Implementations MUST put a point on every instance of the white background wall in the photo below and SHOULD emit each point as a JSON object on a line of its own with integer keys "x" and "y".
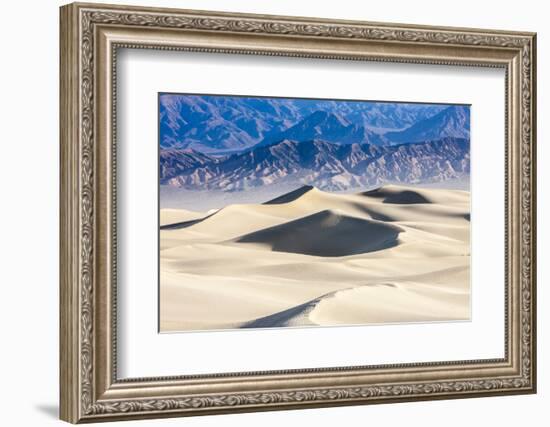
{"x": 29, "y": 170}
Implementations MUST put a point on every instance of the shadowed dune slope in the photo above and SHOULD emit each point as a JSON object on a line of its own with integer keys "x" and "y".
{"x": 402, "y": 195}
{"x": 171, "y": 216}
{"x": 178, "y": 225}
{"x": 290, "y": 197}
{"x": 328, "y": 234}
{"x": 294, "y": 316}
{"x": 397, "y": 196}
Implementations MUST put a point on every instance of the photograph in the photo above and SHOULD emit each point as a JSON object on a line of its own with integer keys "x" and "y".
{"x": 297, "y": 212}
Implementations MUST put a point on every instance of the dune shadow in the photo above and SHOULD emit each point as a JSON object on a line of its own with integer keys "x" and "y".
{"x": 393, "y": 196}
{"x": 290, "y": 197}
{"x": 326, "y": 234}
{"x": 285, "y": 317}
{"x": 179, "y": 225}
{"x": 406, "y": 197}
{"x": 185, "y": 224}
{"x": 387, "y": 285}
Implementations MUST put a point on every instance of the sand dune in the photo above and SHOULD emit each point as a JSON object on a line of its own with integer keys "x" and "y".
{"x": 290, "y": 197}
{"x": 404, "y": 196}
{"x": 384, "y": 302}
{"x": 172, "y": 216}
{"x": 308, "y": 257}
{"x": 327, "y": 234}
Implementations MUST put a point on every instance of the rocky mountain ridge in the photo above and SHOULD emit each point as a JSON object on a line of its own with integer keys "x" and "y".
{"x": 220, "y": 124}
{"x": 328, "y": 166}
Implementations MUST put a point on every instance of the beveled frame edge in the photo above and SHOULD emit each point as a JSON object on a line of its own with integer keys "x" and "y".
{"x": 88, "y": 390}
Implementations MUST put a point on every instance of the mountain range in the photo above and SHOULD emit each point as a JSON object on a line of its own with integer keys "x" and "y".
{"x": 329, "y": 127}
{"x": 328, "y": 166}
{"x": 236, "y": 143}
{"x": 220, "y": 124}
{"x": 453, "y": 121}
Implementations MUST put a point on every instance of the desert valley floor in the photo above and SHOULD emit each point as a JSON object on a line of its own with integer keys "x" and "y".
{"x": 308, "y": 257}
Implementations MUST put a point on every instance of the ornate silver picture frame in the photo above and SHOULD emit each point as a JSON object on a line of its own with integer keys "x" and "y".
{"x": 91, "y": 37}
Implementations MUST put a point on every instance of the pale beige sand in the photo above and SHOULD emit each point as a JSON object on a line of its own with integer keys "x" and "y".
{"x": 396, "y": 254}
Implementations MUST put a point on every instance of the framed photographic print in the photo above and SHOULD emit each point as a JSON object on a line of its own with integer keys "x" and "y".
{"x": 297, "y": 222}
{"x": 266, "y": 212}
